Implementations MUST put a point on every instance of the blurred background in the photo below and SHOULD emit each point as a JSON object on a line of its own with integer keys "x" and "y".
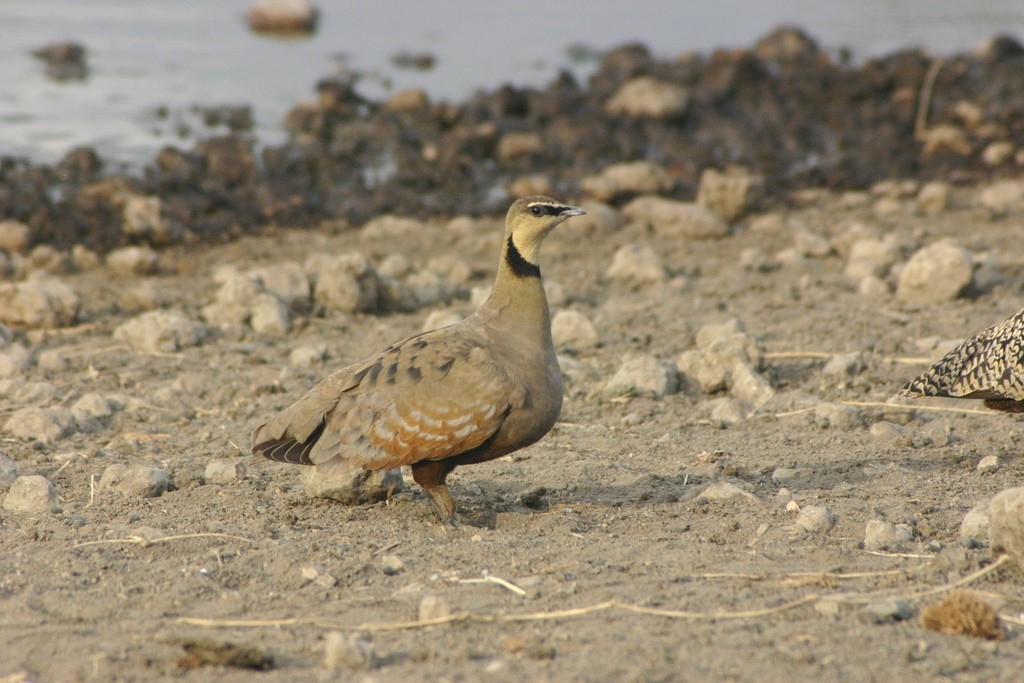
{"x": 150, "y": 62}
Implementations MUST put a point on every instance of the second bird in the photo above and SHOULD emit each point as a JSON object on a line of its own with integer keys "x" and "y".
{"x": 464, "y": 394}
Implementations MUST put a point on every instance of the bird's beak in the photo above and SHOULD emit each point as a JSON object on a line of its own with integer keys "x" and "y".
{"x": 571, "y": 211}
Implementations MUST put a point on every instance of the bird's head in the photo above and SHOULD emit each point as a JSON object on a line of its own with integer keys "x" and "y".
{"x": 529, "y": 221}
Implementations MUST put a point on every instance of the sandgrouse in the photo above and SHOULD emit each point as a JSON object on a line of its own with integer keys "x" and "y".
{"x": 463, "y": 394}
{"x": 989, "y": 366}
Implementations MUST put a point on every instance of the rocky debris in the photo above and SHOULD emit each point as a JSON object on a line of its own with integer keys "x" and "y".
{"x": 725, "y": 358}
{"x": 351, "y": 485}
{"x": 809, "y": 244}
{"x": 729, "y": 411}
{"x": 647, "y": 96}
{"x": 133, "y": 261}
{"x": 933, "y": 197}
{"x": 346, "y": 283}
{"x": 244, "y": 301}
{"x": 143, "y": 481}
{"x": 282, "y": 16}
{"x": 976, "y": 522}
{"x": 724, "y": 490}
{"x": 935, "y": 273}
{"x": 815, "y": 519}
{"x": 843, "y": 365}
{"x": 31, "y": 494}
{"x": 671, "y": 218}
{"x": 14, "y": 360}
{"x": 64, "y": 61}
{"x": 433, "y": 608}
{"x": 641, "y": 375}
{"x": 886, "y": 431}
{"x": 729, "y": 194}
{"x": 348, "y": 651}
{"x": 1006, "y": 525}
{"x": 38, "y": 303}
{"x": 46, "y": 425}
{"x": 837, "y": 416}
{"x": 988, "y": 464}
{"x": 307, "y": 356}
{"x": 391, "y": 565}
{"x": 316, "y": 574}
{"x": 886, "y": 611}
{"x": 143, "y": 218}
{"x": 14, "y": 236}
{"x": 8, "y": 471}
{"x": 636, "y": 265}
{"x": 872, "y": 257}
{"x": 1002, "y": 197}
{"x": 90, "y": 409}
{"x": 627, "y": 179}
{"x": 573, "y": 331}
{"x": 439, "y": 319}
{"x": 288, "y": 281}
{"x": 882, "y": 535}
{"x": 224, "y": 471}
{"x": 160, "y": 332}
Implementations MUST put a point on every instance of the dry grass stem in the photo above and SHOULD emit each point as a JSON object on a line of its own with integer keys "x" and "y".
{"x": 139, "y": 540}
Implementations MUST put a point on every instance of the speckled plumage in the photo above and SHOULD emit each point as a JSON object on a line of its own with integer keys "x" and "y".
{"x": 471, "y": 392}
{"x": 989, "y": 366}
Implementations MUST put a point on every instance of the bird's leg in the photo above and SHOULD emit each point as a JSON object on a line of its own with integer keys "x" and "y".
{"x": 431, "y": 476}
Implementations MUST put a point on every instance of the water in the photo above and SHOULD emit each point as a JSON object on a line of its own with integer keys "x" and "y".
{"x": 148, "y": 57}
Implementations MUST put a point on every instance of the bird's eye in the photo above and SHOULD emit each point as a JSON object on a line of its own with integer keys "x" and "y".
{"x": 537, "y": 210}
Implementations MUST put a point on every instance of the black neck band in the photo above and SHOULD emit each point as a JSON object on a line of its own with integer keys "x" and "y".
{"x": 520, "y": 266}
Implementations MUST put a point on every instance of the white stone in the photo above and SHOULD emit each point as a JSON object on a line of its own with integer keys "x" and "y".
{"x": 646, "y": 96}
{"x": 14, "y": 236}
{"x": 8, "y": 471}
{"x": 232, "y": 306}
{"x": 730, "y": 193}
{"x": 160, "y": 332}
{"x": 351, "y": 485}
{"x": 14, "y": 360}
{"x": 810, "y": 244}
{"x": 844, "y": 365}
{"x": 933, "y": 198}
{"x": 144, "y": 481}
{"x": 31, "y": 495}
{"x": 976, "y": 522}
{"x": 38, "y": 303}
{"x": 440, "y": 318}
{"x": 670, "y": 218}
{"x": 730, "y": 411}
{"x": 934, "y": 274}
{"x": 815, "y": 519}
{"x": 133, "y": 260}
{"x": 282, "y": 16}
{"x": 287, "y": 281}
{"x": 144, "y": 217}
{"x": 747, "y": 385}
{"x": 269, "y": 315}
{"x": 389, "y": 226}
{"x": 988, "y": 464}
{"x": 882, "y": 535}
{"x": 391, "y": 565}
{"x": 1002, "y": 197}
{"x": 886, "y": 431}
{"x": 307, "y": 356}
{"x": 347, "y": 651}
{"x": 40, "y": 424}
{"x": 641, "y": 375}
{"x": 837, "y": 415}
{"x": 871, "y": 257}
{"x": 632, "y": 177}
{"x": 636, "y": 265}
{"x": 724, "y": 490}
{"x": 573, "y": 330}
{"x": 346, "y": 283}
{"x": 224, "y": 470}
{"x": 1006, "y": 526}
{"x": 91, "y": 406}
{"x": 433, "y": 607}
{"x": 52, "y": 361}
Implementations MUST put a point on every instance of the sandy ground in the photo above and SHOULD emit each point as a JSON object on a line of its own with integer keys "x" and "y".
{"x": 619, "y": 568}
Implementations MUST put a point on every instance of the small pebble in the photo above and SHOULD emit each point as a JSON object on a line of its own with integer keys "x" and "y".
{"x": 46, "y": 425}
{"x": 573, "y": 330}
{"x": 635, "y": 265}
{"x": 724, "y": 490}
{"x": 307, "y": 356}
{"x": 144, "y": 481}
{"x": 1006, "y": 526}
{"x": 346, "y": 651}
{"x": 844, "y": 365}
{"x": 433, "y": 607}
{"x": 882, "y": 535}
{"x": 391, "y": 565}
{"x": 351, "y": 485}
{"x": 440, "y": 318}
{"x": 31, "y": 494}
{"x": 886, "y": 431}
{"x": 160, "y": 332}
{"x": 224, "y": 470}
{"x": 641, "y": 375}
{"x": 132, "y": 261}
{"x": 935, "y": 274}
{"x": 976, "y": 522}
{"x": 815, "y": 519}
{"x": 988, "y": 464}
{"x": 887, "y": 611}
